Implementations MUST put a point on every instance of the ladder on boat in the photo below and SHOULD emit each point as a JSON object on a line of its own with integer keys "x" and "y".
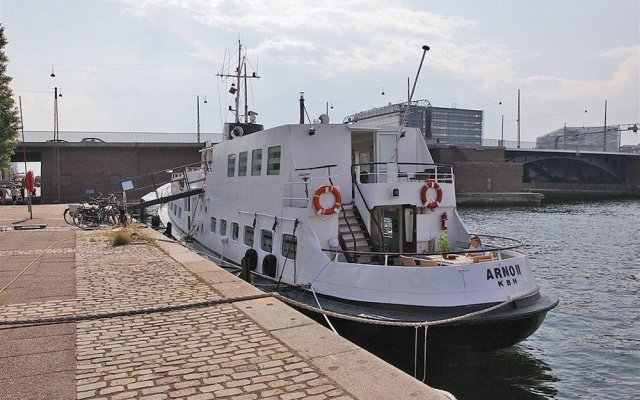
{"x": 354, "y": 236}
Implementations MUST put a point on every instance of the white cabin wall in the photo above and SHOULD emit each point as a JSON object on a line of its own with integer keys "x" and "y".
{"x": 330, "y": 145}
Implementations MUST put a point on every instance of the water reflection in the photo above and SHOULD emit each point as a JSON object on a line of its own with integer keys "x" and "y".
{"x": 513, "y": 373}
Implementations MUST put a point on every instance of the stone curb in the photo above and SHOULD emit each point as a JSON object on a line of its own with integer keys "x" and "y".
{"x": 355, "y": 370}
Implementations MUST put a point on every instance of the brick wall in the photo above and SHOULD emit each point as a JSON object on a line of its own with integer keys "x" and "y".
{"x": 101, "y": 167}
{"x": 481, "y": 170}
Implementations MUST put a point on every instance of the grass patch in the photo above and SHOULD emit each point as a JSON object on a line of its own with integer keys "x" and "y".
{"x": 123, "y": 237}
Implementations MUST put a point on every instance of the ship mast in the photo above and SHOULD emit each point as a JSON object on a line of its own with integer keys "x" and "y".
{"x": 241, "y": 72}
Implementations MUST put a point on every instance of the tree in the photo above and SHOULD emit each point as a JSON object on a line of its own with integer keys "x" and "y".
{"x": 9, "y": 119}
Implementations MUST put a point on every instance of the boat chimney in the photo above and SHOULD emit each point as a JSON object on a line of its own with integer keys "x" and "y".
{"x": 301, "y": 108}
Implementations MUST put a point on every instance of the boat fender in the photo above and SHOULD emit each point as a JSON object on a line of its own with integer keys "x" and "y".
{"x": 270, "y": 265}
{"x": 423, "y": 194}
{"x": 333, "y": 208}
{"x": 250, "y": 258}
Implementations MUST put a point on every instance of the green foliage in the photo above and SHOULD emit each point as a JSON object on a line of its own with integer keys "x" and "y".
{"x": 9, "y": 119}
{"x": 443, "y": 243}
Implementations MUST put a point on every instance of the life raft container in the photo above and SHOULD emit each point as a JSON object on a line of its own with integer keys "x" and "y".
{"x": 423, "y": 194}
{"x": 320, "y": 210}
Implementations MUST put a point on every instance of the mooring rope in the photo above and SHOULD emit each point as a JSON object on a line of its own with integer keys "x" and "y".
{"x": 148, "y": 310}
{"x": 284, "y": 299}
{"x": 375, "y": 321}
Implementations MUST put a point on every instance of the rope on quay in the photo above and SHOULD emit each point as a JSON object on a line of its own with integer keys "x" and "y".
{"x": 124, "y": 313}
{"x": 214, "y": 302}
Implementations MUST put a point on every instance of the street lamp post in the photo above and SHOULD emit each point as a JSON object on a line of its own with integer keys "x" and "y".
{"x": 56, "y": 143}
{"x": 604, "y": 135}
{"x": 198, "y": 114}
{"x": 502, "y": 133}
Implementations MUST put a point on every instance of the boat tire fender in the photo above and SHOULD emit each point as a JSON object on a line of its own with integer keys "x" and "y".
{"x": 270, "y": 265}
{"x": 250, "y": 259}
{"x": 423, "y": 194}
{"x": 336, "y": 205}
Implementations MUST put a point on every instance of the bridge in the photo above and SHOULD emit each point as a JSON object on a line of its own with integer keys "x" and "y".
{"x": 554, "y": 173}
{"x": 85, "y": 163}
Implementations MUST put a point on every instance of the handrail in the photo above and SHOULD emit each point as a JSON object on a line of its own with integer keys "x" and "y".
{"x": 517, "y": 244}
{"x": 375, "y": 221}
{"x": 318, "y": 167}
{"x": 402, "y": 163}
{"x": 353, "y": 236}
{"x": 439, "y": 172}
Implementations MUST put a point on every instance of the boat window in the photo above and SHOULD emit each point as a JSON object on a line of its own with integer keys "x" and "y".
{"x": 231, "y": 165}
{"x": 273, "y": 160}
{"x": 289, "y": 246}
{"x": 235, "y": 231}
{"x": 186, "y": 204}
{"x": 213, "y": 225}
{"x": 179, "y": 212}
{"x": 248, "y": 235}
{"x": 223, "y": 227}
{"x": 242, "y": 164}
{"x": 266, "y": 241}
{"x": 256, "y": 162}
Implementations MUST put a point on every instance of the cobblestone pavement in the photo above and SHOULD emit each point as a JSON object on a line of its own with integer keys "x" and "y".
{"x": 204, "y": 353}
{"x": 209, "y": 353}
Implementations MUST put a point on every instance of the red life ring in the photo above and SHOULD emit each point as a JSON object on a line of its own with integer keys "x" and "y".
{"x": 423, "y": 194}
{"x": 336, "y": 205}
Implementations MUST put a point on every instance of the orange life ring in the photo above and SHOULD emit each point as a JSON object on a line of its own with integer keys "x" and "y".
{"x": 181, "y": 183}
{"x": 336, "y": 205}
{"x": 423, "y": 194}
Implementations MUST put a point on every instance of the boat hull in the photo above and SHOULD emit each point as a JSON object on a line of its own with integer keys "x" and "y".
{"x": 494, "y": 330}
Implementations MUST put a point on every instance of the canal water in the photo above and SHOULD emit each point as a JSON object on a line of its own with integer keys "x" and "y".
{"x": 588, "y": 254}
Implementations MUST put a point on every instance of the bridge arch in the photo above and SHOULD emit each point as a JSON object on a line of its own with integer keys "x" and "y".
{"x": 568, "y": 170}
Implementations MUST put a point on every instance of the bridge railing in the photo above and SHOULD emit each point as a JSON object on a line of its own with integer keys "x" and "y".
{"x": 123, "y": 137}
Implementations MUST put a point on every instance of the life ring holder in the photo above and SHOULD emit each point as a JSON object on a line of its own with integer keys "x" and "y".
{"x": 336, "y": 205}
{"x": 423, "y": 194}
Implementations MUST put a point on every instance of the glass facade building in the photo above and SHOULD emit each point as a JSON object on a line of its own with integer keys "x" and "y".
{"x": 452, "y": 126}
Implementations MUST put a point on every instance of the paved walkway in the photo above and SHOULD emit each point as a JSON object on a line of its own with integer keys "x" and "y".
{"x": 253, "y": 349}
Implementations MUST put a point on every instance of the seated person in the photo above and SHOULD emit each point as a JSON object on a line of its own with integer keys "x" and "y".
{"x": 476, "y": 245}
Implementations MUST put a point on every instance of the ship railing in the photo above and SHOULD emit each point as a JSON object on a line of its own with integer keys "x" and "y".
{"x": 497, "y": 247}
{"x": 380, "y": 172}
{"x": 297, "y": 194}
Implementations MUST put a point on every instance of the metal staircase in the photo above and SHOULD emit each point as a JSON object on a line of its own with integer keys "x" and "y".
{"x": 354, "y": 235}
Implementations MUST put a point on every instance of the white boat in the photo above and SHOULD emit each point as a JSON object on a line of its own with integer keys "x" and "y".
{"x": 350, "y": 219}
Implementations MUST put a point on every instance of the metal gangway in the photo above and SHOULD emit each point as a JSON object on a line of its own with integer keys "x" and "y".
{"x": 136, "y": 188}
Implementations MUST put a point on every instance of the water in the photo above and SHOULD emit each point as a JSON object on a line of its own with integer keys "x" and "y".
{"x": 588, "y": 254}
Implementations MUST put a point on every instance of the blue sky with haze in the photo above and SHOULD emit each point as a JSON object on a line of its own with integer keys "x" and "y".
{"x": 137, "y": 65}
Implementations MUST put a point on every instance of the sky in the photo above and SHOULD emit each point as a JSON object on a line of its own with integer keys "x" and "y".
{"x": 140, "y": 65}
